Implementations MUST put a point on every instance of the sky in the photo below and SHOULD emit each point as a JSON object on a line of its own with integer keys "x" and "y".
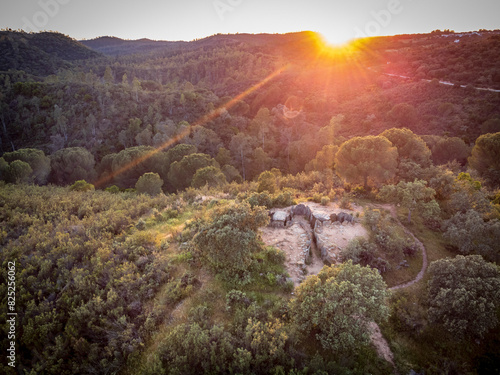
{"x": 337, "y": 20}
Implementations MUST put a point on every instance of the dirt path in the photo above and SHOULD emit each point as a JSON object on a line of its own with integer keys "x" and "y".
{"x": 380, "y": 343}
{"x": 420, "y": 275}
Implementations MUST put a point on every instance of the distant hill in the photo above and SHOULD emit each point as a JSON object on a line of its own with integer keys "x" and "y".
{"x": 40, "y": 53}
{"x": 113, "y": 46}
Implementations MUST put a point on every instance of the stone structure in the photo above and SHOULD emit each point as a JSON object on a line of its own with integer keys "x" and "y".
{"x": 281, "y": 219}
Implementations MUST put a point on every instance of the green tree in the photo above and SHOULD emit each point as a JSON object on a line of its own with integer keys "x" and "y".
{"x": 182, "y": 172}
{"x": 415, "y": 196}
{"x": 229, "y": 238}
{"x": 241, "y": 148}
{"x": 485, "y": 157}
{"x": 108, "y": 76}
{"x": 178, "y": 152}
{"x": 39, "y": 163}
{"x": 82, "y": 185}
{"x": 130, "y": 164}
{"x": 205, "y": 140}
{"x": 473, "y": 235}
{"x": 336, "y": 305}
{"x": 232, "y": 174}
{"x": 464, "y": 295}
{"x": 149, "y": 183}
{"x": 363, "y": 158}
{"x": 72, "y": 164}
{"x": 267, "y": 182}
{"x": 403, "y": 114}
{"x": 410, "y": 146}
{"x": 208, "y": 176}
{"x": 223, "y": 156}
{"x": 491, "y": 126}
{"x": 4, "y": 170}
{"x": 19, "y": 172}
{"x": 325, "y": 159}
{"x": 448, "y": 149}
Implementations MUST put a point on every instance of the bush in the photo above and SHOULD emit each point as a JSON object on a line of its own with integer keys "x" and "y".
{"x": 149, "y": 183}
{"x": 81, "y": 185}
{"x": 325, "y": 201}
{"x": 236, "y": 298}
{"x": 229, "y": 238}
{"x": 112, "y": 189}
{"x": 267, "y": 182}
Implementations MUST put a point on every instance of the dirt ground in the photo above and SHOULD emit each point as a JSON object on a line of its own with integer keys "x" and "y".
{"x": 290, "y": 239}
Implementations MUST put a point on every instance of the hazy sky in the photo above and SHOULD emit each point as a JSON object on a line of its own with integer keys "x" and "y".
{"x": 190, "y": 19}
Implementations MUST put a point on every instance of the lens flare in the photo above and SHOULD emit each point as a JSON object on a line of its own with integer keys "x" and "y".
{"x": 208, "y": 117}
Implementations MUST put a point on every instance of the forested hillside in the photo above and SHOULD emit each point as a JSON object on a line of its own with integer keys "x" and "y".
{"x": 170, "y": 205}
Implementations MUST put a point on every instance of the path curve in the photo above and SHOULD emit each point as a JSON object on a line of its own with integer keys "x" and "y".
{"x": 420, "y": 275}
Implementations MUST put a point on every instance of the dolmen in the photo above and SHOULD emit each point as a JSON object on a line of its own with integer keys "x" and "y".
{"x": 280, "y": 219}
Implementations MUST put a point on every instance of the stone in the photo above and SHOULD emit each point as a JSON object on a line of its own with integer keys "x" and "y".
{"x": 333, "y": 218}
{"x": 300, "y": 209}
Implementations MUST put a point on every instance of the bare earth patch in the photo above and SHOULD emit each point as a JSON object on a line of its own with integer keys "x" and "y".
{"x": 291, "y": 239}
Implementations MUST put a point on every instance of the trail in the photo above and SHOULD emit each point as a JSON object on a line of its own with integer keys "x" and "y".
{"x": 420, "y": 275}
{"x": 446, "y": 83}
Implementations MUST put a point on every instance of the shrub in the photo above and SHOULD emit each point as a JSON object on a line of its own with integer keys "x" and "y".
{"x": 267, "y": 182}
{"x": 228, "y": 239}
{"x": 236, "y": 298}
{"x": 112, "y": 189}
{"x": 325, "y": 201}
{"x": 149, "y": 183}
{"x": 141, "y": 224}
{"x": 358, "y": 292}
{"x": 81, "y": 185}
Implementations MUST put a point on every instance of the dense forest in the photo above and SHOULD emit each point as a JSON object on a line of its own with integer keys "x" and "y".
{"x": 138, "y": 180}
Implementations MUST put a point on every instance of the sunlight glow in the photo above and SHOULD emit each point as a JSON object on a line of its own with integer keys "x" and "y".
{"x": 338, "y": 48}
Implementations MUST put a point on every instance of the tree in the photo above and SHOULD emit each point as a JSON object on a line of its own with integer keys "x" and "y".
{"x": 361, "y": 158}
{"x": 178, "y": 152}
{"x": 182, "y": 172}
{"x": 208, "y": 176}
{"x": 72, "y": 164}
{"x": 464, "y": 295}
{"x": 472, "y": 235}
{"x": 410, "y": 146}
{"x": 336, "y": 305}
{"x": 223, "y": 156}
{"x": 108, "y": 76}
{"x": 403, "y": 114}
{"x": 485, "y": 157}
{"x": 229, "y": 238}
{"x": 241, "y": 148}
{"x": 260, "y": 162}
{"x": 231, "y": 174}
{"x": 448, "y": 149}
{"x": 267, "y": 182}
{"x": 39, "y": 163}
{"x": 325, "y": 159}
{"x": 19, "y": 172}
{"x": 491, "y": 126}
{"x": 130, "y": 164}
{"x": 4, "y": 170}
{"x": 205, "y": 140}
{"x": 82, "y": 185}
{"x": 149, "y": 183}
{"x": 412, "y": 195}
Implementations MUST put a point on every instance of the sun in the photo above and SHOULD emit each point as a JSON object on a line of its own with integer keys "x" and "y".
{"x": 336, "y": 38}
{"x": 342, "y": 48}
